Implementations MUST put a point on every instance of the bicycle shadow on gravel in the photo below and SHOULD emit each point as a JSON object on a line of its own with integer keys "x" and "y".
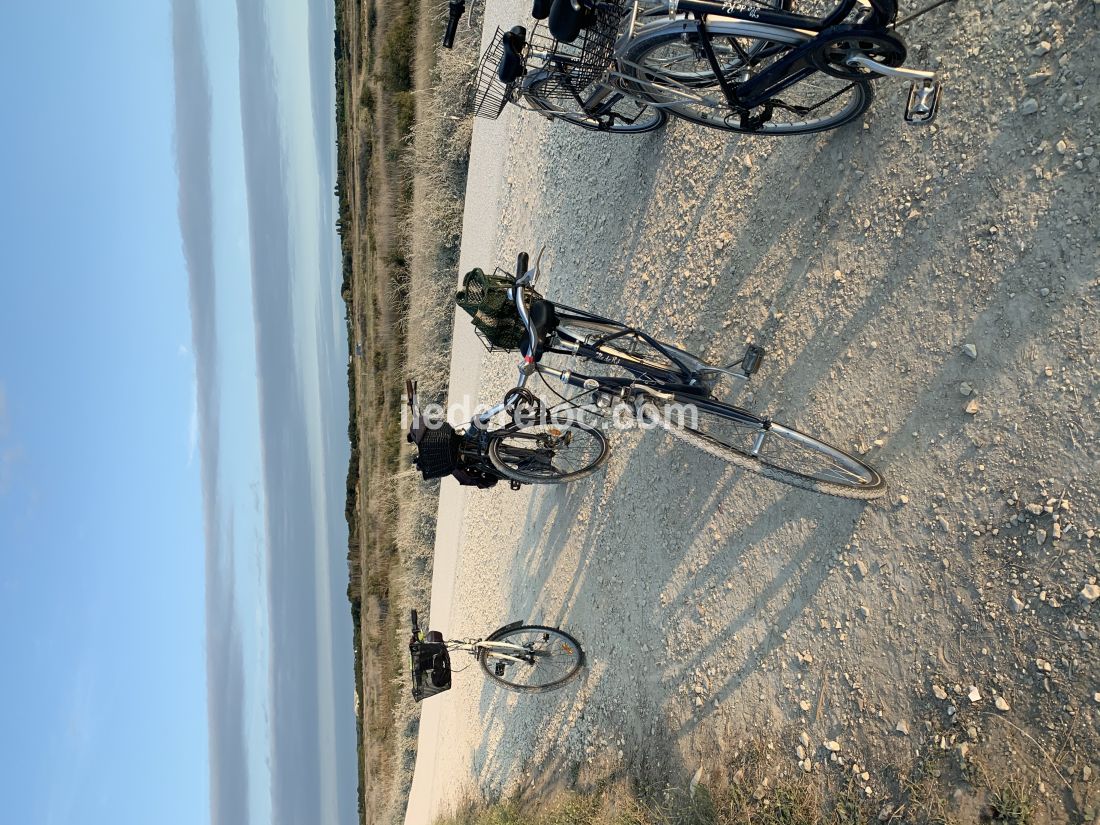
{"x": 613, "y": 585}
{"x": 779, "y": 541}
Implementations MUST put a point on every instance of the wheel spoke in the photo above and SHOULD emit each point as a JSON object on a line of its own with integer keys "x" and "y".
{"x": 777, "y": 452}
{"x": 552, "y": 658}
{"x": 548, "y": 453}
{"x": 668, "y": 69}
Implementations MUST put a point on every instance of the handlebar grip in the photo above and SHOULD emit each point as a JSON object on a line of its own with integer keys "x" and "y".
{"x": 540, "y": 9}
{"x": 456, "y": 9}
{"x": 415, "y": 623}
{"x": 522, "y": 262}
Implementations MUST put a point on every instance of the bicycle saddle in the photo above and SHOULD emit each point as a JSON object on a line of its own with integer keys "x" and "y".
{"x": 544, "y": 318}
{"x": 567, "y": 18}
{"x": 511, "y": 67}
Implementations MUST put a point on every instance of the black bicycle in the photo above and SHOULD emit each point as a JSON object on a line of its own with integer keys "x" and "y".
{"x": 629, "y": 377}
{"x": 751, "y": 66}
{"x": 527, "y": 658}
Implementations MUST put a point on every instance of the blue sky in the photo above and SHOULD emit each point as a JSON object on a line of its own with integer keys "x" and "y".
{"x": 172, "y": 417}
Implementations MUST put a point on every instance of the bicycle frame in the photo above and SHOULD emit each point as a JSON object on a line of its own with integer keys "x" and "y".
{"x": 681, "y": 386}
{"x": 788, "y": 70}
{"x": 742, "y": 10}
{"x": 501, "y": 650}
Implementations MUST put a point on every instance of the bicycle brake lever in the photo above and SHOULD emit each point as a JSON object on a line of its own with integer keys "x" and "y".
{"x": 537, "y": 267}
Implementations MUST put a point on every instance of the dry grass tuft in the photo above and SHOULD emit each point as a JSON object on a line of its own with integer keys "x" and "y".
{"x": 755, "y": 787}
{"x": 436, "y": 160}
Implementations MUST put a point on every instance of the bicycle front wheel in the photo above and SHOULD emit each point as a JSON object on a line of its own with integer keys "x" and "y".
{"x": 668, "y": 66}
{"x": 624, "y": 343}
{"x": 619, "y": 115}
{"x": 550, "y": 453}
{"x": 549, "y": 657}
{"x": 774, "y": 451}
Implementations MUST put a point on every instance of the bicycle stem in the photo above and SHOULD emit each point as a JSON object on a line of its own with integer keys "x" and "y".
{"x": 527, "y": 366}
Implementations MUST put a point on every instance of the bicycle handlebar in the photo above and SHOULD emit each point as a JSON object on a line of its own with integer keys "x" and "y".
{"x": 456, "y": 8}
{"x": 524, "y": 277}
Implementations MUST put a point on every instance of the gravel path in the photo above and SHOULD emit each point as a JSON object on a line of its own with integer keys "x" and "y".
{"x": 926, "y": 297}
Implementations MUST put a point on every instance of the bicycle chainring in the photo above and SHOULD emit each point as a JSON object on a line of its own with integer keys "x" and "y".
{"x": 833, "y": 48}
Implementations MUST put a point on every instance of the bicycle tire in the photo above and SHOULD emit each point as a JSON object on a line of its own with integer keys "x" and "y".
{"x": 525, "y": 465}
{"x": 865, "y": 483}
{"x": 543, "y": 105}
{"x": 631, "y": 347}
{"x": 704, "y": 85}
{"x": 504, "y": 633}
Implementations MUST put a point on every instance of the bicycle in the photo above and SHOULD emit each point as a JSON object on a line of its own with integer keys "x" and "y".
{"x": 526, "y": 658}
{"x": 748, "y": 66}
{"x": 655, "y": 383}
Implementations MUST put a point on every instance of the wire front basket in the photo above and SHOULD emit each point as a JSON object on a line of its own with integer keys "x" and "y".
{"x": 490, "y": 94}
{"x": 564, "y": 70}
{"x": 571, "y": 68}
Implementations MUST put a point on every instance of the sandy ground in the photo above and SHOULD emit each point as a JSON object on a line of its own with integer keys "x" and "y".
{"x": 888, "y": 271}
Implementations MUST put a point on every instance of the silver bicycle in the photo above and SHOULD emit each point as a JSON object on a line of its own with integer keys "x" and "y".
{"x": 527, "y": 658}
{"x": 616, "y": 373}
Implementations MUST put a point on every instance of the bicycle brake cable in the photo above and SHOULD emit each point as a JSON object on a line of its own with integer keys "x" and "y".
{"x": 917, "y": 14}
{"x": 569, "y": 402}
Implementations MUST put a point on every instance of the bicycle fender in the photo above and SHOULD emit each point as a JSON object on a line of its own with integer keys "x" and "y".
{"x": 500, "y": 631}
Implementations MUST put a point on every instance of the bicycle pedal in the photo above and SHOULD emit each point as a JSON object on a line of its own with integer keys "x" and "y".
{"x": 751, "y": 362}
{"x": 923, "y": 103}
{"x": 498, "y": 668}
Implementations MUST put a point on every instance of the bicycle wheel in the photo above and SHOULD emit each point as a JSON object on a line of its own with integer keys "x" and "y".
{"x": 630, "y": 345}
{"x": 548, "y": 453}
{"x": 626, "y": 116}
{"x": 551, "y": 658}
{"x": 777, "y": 452}
{"x": 667, "y": 65}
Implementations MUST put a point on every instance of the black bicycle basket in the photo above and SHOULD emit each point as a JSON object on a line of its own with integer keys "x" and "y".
{"x": 570, "y": 68}
{"x": 431, "y": 667}
{"x": 490, "y": 94}
{"x": 565, "y": 69}
{"x": 494, "y": 316}
{"x": 438, "y": 451}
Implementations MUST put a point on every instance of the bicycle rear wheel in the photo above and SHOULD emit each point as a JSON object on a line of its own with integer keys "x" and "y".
{"x": 548, "y": 453}
{"x": 551, "y": 658}
{"x": 668, "y": 66}
{"x": 774, "y": 451}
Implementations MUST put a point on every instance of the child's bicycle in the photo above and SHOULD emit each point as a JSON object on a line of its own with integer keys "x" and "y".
{"x": 527, "y": 658}
{"x": 624, "y": 370}
{"x": 750, "y": 66}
